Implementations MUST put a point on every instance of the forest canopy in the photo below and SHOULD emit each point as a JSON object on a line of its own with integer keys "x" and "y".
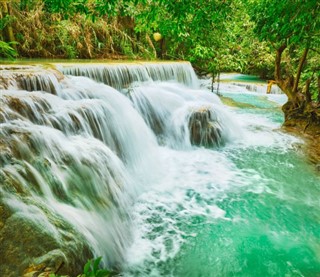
{"x": 214, "y": 35}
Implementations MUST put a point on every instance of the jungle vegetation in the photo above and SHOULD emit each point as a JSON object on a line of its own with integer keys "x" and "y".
{"x": 276, "y": 40}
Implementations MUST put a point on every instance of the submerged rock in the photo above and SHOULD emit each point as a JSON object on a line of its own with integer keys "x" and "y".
{"x": 205, "y": 129}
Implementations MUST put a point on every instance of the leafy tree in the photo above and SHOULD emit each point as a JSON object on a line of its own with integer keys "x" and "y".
{"x": 292, "y": 28}
{"x": 190, "y": 29}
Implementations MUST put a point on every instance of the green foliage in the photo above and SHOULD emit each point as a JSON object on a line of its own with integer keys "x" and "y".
{"x": 5, "y": 21}
{"x": 293, "y": 25}
{"x": 91, "y": 269}
{"x": 191, "y": 30}
{"x": 66, "y": 7}
{"x": 6, "y": 48}
{"x": 214, "y": 35}
{"x": 90, "y": 8}
{"x": 7, "y": 51}
{"x": 287, "y": 21}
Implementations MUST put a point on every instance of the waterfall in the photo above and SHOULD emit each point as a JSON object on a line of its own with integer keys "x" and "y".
{"x": 121, "y": 76}
{"x": 171, "y": 110}
{"x": 76, "y": 154}
{"x": 30, "y": 78}
{"x": 140, "y": 165}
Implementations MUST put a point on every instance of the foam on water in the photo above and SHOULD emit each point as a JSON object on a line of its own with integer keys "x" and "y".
{"x": 167, "y": 108}
{"x": 201, "y": 193}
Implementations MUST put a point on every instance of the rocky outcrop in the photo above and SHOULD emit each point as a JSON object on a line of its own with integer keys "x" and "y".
{"x": 305, "y": 122}
{"x": 27, "y": 244}
{"x": 305, "y": 117}
{"x": 205, "y": 129}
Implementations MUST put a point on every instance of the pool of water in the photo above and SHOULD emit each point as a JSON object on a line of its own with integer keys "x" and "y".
{"x": 251, "y": 208}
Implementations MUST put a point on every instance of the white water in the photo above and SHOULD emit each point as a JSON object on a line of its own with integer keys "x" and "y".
{"x": 167, "y": 107}
{"x": 119, "y": 166}
{"x": 196, "y": 181}
{"x": 122, "y": 76}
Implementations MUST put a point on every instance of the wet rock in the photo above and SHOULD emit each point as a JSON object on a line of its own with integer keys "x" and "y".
{"x": 34, "y": 246}
{"x": 205, "y": 129}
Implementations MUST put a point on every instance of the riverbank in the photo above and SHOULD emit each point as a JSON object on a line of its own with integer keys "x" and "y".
{"x": 312, "y": 143}
{"x": 241, "y": 84}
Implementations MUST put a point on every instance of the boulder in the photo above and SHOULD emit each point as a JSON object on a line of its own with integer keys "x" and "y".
{"x": 44, "y": 242}
{"x": 205, "y": 129}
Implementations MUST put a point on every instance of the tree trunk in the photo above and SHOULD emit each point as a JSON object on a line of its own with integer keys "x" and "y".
{"x": 163, "y": 51}
{"x": 286, "y": 85}
{"x": 7, "y": 31}
{"x": 290, "y": 85}
{"x": 308, "y": 94}
{"x": 151, "y": 46}
{"x": 277, "y": 73}
{"x": 300, "y": 67}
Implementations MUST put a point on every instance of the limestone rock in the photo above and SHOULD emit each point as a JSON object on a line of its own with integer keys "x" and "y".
{"x": 205, "y": 129}
{"x": 29, "y": 245}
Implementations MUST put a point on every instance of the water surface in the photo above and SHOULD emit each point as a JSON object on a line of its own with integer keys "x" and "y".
{"x": 251, "y": 208}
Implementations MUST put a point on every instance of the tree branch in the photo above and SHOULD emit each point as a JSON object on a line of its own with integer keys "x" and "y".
{"x": 277, "y": 73}
{"x": 300, "y": 67}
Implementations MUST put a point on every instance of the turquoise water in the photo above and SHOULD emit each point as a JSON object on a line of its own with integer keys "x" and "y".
{"x": 164, "y": 207}
{"x": 251, "y": 208}
{"x": 242, "y": 78}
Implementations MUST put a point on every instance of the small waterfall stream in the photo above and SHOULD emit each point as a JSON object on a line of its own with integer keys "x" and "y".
{"x": 138, "y": 164}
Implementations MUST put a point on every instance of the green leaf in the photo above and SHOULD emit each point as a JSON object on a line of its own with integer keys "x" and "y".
{"x": 96, "y": 264}
{"x": 87, "y": 267}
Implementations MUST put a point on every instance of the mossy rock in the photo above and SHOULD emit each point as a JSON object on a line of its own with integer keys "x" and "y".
{"x": 29, "y": 244}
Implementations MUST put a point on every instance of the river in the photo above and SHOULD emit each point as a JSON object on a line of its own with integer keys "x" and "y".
{"x": 248, "y": 206}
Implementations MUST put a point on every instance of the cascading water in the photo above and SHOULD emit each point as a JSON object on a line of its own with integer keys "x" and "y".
{"x": 122, "y": 76}
{"x": 159, "y": 178}
{"x": 171, "y": 110}
{"x": 77, "y": 158}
